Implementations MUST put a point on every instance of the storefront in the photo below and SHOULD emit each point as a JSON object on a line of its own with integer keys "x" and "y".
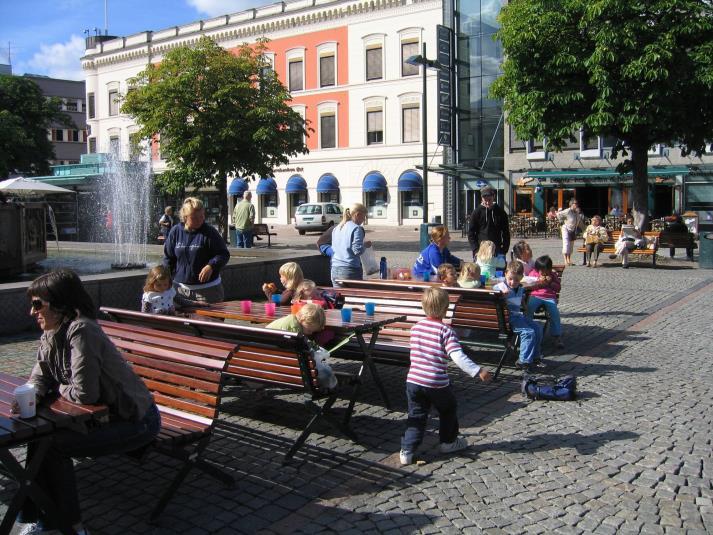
{"x": 599, "y": 191}
{"x": 376, "y": 195}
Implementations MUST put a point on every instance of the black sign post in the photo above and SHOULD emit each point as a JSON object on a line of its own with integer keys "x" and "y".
{"x": 445, "y": 85}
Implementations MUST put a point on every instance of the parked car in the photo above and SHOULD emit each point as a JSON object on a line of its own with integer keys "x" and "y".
{"x": 317, "y": 216}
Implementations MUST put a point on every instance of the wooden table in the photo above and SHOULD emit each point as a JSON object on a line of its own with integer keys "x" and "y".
{"x": 16, "y": 432}
{"x": 361, "y": 326}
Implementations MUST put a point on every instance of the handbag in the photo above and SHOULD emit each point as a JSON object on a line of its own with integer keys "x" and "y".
{"x": 368, "y": 261}
{"x": 591, "y": 239}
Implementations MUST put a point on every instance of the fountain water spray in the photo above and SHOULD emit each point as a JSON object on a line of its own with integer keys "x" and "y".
{"x": 127, "y": 192}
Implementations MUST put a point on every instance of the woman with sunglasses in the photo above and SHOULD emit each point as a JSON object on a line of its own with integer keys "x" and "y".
{"x": 78, "y": 362}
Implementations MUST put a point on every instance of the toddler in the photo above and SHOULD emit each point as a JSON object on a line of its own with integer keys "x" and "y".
{"x": 427, "y": 385}
{"x": 469, "y": 275}
{"x": 487, "y": 260}
{"x": 159, "y": 293}
{"x": 309, "y": 320}
{"x": 447, "y": 275}
{"x": 522, "y": 252}
{"x": 529, "y": 331}
{"x": 544, "y": 294}
{"x": 291, "y": 278}
{"x": 308, "y": 293}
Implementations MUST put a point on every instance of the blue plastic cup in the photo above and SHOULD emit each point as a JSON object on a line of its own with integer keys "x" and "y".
{"x": 483, "y": 280}
{"x": 426, "y": 276}
{"x": 369, "y": 308}
{"x": 346, "y": 314}
{"x": 276, "y": 298}
{"x": 499, "y": 274}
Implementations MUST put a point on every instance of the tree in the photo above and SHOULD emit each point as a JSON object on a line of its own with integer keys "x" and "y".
{"x": 639, "y": 70}
{"x": 216, "y": 113}
{"x": 25, "y": 117}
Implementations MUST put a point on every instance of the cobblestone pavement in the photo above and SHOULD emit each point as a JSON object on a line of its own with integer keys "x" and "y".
{"x": 631, "y": 455}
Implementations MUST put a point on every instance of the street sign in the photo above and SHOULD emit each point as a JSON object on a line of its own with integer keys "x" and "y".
{"x": 445, "y": 91}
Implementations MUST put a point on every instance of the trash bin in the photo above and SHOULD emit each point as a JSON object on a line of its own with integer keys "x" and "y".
{"x": 425, "y": 234}
{"x": 233, "y": 236}
{"x": 705, "y": 245}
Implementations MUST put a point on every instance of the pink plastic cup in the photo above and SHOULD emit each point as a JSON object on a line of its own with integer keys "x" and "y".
{"x": 270, "y": 309}
{"x": 246, "y": 306}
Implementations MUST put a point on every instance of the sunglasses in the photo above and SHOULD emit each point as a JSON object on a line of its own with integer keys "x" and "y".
{"x": 37, "y": 304}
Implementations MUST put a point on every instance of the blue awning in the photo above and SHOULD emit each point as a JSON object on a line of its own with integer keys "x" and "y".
{"x": 327, "y": 183}
{"x": 374, "y": 181}
{"x": 296, "y": 184}
{"x": 410, "y": 181}
{"x": 266, "y": 186}
{"x": 238, "y": 187}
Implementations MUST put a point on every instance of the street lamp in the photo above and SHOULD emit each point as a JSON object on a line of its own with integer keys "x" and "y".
{"x": 425, "y": 64}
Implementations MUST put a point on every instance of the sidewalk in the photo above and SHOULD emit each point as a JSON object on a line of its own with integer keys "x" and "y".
{"x": 632, "y": 455}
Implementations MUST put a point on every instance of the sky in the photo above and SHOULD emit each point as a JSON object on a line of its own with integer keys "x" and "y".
{"x": 46, "y": 37}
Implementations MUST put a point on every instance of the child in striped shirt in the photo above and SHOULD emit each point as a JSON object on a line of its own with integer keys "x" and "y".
{"x": 427, "y": 383}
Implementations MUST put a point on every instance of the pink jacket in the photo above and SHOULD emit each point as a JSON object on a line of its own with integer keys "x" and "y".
{"x": 551, "y": 290}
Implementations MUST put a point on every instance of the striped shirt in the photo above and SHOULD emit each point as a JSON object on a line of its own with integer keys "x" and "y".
{"x": 431, "y": 344}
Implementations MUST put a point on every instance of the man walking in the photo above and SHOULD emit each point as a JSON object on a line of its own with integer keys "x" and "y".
{"x": 489, "y": 222}
{"x": 243, "y": 219}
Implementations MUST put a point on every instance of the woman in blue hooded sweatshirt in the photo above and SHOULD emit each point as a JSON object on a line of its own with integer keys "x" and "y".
{"x": 435, "y": 254}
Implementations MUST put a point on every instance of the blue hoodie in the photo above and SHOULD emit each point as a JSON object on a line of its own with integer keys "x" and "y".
{"x": 187, "y": 253}
{"x": 431, "y": 257}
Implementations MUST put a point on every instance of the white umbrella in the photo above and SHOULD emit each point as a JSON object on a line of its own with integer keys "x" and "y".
{"x": 27, "y": 186}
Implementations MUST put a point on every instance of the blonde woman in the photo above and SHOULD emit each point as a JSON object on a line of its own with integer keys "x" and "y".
{"x": 348, "y": 244}
{"x": 595, "y": 235}
{"x": 435, "y": 254}
{"x": 195, "y": 253}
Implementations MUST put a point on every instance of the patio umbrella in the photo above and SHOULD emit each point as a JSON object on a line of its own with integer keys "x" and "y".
{"x": 27, "y": 186}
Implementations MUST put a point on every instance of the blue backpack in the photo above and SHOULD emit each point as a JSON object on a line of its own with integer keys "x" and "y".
{"x": 565, "y": 389}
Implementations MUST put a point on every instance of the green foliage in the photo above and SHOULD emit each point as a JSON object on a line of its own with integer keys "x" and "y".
{"x": 25, "y": 118}
{"x": 217, "y": 113}
{"x": 640, "y": 70}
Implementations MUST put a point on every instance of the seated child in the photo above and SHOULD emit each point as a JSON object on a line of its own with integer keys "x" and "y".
{"x": 447, "y": 275}
{"x": 486, "y": 259}
{"x": 308, "y": 321}
{"x": 291, "y": 278}
{"x": 469, "y": 275}
{"x": 159, "y": 293}
{"x": 530, "y": 331}
{"x": 522, "y": 252}
{"x": 308, "y": 293}
{"x": 432, "y": 344}
{"x": 544, "y": 293}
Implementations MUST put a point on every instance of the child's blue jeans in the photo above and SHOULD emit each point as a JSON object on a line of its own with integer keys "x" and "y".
{"x": 530, "y": 337}
{"x": 552, "y": 311}
{"x": 420, "y": 400}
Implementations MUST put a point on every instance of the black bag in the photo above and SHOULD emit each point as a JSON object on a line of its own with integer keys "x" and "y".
{"x": 565, "y": 389}
{"x": 333, "y": 299}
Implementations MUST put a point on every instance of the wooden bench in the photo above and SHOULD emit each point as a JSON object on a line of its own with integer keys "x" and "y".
{"x": 479, "y": 317}
{"x": 261, "y": 229}
{"x": 268, "y": 356}
{"x": 677, "y": 240}
{"x": 651, "y": 237}
{"x": 184, "y": 375}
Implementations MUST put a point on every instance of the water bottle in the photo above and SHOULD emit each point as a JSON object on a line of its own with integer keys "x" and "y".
{"x": 383, "y": 269}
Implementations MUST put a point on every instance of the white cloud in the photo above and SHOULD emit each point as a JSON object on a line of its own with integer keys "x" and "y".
{"x": 59, "y": 60}
{"x": 214, "y": 8}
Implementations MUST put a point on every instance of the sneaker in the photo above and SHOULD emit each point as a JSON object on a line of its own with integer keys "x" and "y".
{"x": 625, "y": 266}
{"x": 522, "y": 365}
{"x": 32, "y": 528}
{"x": 406, "y": 457}
{"x": 612, "y": 257}
{"x": 539, "y": 363}
{"x": 458, "y": 444}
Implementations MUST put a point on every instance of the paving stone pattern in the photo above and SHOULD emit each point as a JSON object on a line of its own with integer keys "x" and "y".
{"x": 631, "y": 455}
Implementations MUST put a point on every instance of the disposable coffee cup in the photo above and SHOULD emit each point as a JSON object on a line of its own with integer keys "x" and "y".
{"x": 26, "y": 400}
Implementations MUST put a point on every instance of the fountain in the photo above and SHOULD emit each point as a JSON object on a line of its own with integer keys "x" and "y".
{"x": 126, "y": 191}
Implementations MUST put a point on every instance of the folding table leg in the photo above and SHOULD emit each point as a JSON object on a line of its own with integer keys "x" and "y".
{"x": 369, "y": 363}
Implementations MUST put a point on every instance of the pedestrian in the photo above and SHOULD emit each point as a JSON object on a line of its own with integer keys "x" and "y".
{"x": 572, "y": 220}
{"x": 348, "y": 244}
{"x": 489, "y": 222}
{"x": 243, "y": 220}
{"x": 166, "y": 223}
{"x": 324, "y": 242}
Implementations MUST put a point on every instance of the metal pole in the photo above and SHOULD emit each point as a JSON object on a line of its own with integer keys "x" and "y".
{"x": 424, "y": 131}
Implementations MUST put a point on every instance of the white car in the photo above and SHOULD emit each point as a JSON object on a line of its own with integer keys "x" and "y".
{"x": 317, "y": 216}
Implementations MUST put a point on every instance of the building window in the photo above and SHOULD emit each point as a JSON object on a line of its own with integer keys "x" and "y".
{"x": 295, "y": 74}
{"x": 374, "y": 127}
{"x": 374, "y": 63}
{"x": 326, "y": 71}
{"x": 75, "y": 135}
{"x": 70, "y": 105}
{"x": 114, "y": 145}
{"x": 90, "y": 107}
{"x": 113, "y": 102}
{"x": 57, "y": 135}
{"x": 328, "y": 131}
{"x": 410, "y": 132}
{"x": 408, "y": 49}
{"x": 92, "y": 145}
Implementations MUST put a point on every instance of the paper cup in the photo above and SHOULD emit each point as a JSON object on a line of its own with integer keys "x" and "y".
{"x": 369, "y": 308}
{"x": 26, "y": 400}
{"x": 346, "y": 314}
{"x": 246, "y": 306}
{"x": 270, "y": 309}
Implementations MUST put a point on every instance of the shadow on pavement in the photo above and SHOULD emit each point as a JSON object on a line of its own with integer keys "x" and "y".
{"x": 584, "y": 444}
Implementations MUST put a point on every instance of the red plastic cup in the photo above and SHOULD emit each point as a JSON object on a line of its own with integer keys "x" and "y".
{"x": 246, "y": 306}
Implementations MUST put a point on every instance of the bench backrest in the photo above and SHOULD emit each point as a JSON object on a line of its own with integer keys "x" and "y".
{"x": 264, "y": 355}
{"x": 184, "y": 376}
{"x": 260, "y": 228}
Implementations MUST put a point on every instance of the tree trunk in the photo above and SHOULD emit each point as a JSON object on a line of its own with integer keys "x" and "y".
{"x": 221, "y": 186}
{"x": 640, "y": 189}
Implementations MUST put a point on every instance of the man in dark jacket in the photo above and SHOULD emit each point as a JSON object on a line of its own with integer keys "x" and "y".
{"x": 489, "y": 222}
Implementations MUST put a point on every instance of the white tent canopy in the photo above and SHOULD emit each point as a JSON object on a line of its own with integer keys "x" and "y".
{"x": 27, "y": 186}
